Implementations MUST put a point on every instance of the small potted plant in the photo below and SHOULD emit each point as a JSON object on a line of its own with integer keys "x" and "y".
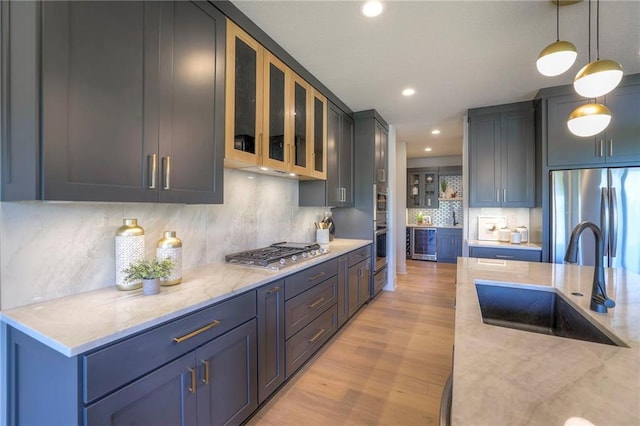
{"x": 443, "y": 186}
{"x": 150, "y": 272}
{"x": 420, "y": 218}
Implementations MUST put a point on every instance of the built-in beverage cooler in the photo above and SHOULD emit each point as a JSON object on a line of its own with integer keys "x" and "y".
{"x": 423, "y": 244}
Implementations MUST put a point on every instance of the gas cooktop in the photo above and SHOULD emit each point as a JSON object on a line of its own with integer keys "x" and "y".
{"x": 277, "y": 255}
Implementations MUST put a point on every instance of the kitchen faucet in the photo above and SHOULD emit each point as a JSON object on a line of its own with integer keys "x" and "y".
{"x": 599, "y": 299}
{"x": 455, "y": 222}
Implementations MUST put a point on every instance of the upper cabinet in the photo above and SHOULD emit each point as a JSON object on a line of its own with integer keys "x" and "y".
{"x": 502, "y": 156}
{"x": 275, "y": 118}
{"x": 337, "y": 190}
{"x": 619, "y": 143}
{"x": 422, "y": 188}
{"x": 131, "y": 106}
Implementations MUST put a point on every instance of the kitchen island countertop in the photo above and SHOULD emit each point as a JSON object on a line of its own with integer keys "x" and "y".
{"x": 76, "y": 324}
{"x": 506, "y": 376}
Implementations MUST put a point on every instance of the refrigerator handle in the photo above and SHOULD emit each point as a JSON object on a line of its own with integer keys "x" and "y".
{"x": 613, "y": 233}
{"x": 604, "y": 218}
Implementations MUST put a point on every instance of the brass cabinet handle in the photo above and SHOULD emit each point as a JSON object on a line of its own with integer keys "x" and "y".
{"x": 274, "y": 290}
{"x": 601, "y": 148}
{"x": 152, "y": 165}
{"x": 166, "y": 169}
{"x": 196, "y": 332}
{"x": 317, "y": 335}
{"x": 316, "y": 276}
{"x": 260, "y": 146}
{"x": 205, "y": 379}
{"x": 316, "y": 303}
{"x": 192, "y": 388}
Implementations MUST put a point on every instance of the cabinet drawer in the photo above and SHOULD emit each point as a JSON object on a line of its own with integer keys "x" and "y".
{"x": 304, "y": 280}
{"x": 506, "y": 254}
{"x": 304, "y": 344}
{"x": 305, "y": 307}
{"x": 113, "y": 366}
{"x": 379, "y": 281}
{"x": 359, "y": 255}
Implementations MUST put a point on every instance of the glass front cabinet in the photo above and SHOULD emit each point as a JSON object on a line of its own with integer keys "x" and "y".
{"x": 422, "y": 188}
{"x": 275, "y": 119}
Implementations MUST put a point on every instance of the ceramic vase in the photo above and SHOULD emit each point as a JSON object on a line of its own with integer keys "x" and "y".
{"x": 170, "y": 247}
{"x": 129, "y": 249}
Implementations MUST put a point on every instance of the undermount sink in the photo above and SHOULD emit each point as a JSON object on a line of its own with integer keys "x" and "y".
{"x": 537, "y": 311}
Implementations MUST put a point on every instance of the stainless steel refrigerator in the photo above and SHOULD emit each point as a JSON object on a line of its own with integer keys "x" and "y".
{"x": 609, "y": 197}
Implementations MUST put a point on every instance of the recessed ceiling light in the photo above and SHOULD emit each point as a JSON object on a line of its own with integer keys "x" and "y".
{"x": 408, "y": 91}
{"x": 371, "y": 8}
{"x": 292, "y": 174}
{"x": 428, "y": 149}
{"x": 435, "y": 132}
{"x": 264, "y": 169}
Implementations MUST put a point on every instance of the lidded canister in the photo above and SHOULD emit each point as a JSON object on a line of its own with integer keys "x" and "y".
{"x": 129, "y": 249}
{"x": 524, "y": 232}
{"x": 170, "y": 247}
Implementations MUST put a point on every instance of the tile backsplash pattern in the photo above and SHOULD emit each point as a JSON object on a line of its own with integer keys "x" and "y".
{"x": 55, "y": 249}
{"x": 443, "y": 215}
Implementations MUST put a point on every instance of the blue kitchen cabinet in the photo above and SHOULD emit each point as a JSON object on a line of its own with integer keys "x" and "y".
{"x": 618, "y": 144}
{"x": 449, "y": 244}
{"x": 270, "y": 315}
{"x": 422, "y": 188}
{"x": 105, "y": 115}
{"x": 502, "y": 156}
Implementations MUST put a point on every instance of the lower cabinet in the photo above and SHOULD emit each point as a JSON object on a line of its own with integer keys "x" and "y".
{"x": 214, "y": 366}
{"x": 379, "y": 279}
{"x": 449, "y": 245}
{"x": 213, "y": 385}
{"x": 270, "y": 314}
{"x": 506, "y": 253}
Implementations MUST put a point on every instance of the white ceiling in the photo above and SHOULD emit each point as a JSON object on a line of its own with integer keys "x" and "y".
{"x": 456, "y": 54}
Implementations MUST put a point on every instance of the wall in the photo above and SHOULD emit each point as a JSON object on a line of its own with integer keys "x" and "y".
{"x": 400, "y": 208}
{"x": 55, "y": 249}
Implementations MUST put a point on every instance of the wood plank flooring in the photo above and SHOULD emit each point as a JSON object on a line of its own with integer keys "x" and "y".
{"x": 387, "y": 366}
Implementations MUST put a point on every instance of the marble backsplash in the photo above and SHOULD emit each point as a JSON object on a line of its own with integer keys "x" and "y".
{"x": 54, "y": 249}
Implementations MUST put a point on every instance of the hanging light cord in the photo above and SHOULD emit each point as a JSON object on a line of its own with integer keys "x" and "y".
{"x": 589, "y": 32}
{"x": 597, "y": 30}
{"x": 558, "y": 20}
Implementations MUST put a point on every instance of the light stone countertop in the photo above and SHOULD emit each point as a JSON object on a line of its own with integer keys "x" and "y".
{"x": 79, "y": 323}
{"x": 503, "y": 376}
{"x": 501, "y": 245}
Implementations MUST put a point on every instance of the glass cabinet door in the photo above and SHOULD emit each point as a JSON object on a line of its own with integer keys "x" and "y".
{"x": 414, "y": 191}
{"x": 243, "y": 95}
{"x": 319, "y": 145}
{"x": 275, "y": 117}
{"x": 301, "y": 125}
{"x": 430, "y": 190}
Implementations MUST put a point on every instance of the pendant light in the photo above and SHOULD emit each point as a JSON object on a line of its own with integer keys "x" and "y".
{"x": 559, "y": 56}
{"x": 599, "y": 77}
{"x": 589, "y": 120}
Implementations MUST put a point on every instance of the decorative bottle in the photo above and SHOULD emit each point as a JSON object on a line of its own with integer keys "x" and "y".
{"x": 170, "y": 247}
{"x": 129, "y": 249}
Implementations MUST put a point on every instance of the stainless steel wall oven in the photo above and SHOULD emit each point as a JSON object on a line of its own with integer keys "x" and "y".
{"x": 380, "y": 249}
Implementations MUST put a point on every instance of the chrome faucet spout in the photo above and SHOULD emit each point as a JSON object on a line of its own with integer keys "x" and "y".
{"x": 599, "y": 299}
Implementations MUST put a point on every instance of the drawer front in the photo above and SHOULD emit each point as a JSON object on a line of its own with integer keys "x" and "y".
{"x": 506, "y": 254}
{"x": 379, "y": 280}
{"x": 359, "y": 255}
{"x": 304, "y": 280}
{"x": 305, "y": 307}
{"x": 113, "y": 366}
{"x": 304, "y": 344}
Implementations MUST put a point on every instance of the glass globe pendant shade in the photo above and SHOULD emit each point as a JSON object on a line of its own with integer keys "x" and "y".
{"x": 556, "y": 58}
{"x": 598, "y": 78}
{"x": 589, "y": 120}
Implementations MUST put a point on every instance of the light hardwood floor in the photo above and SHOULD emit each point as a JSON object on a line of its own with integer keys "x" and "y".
{"x": 387, "y": 366}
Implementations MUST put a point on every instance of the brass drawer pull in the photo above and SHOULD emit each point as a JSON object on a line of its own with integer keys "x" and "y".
{"x": 192, "y": 388}
{"x": 196, "y": 332}
{"x": 152, "y": 164}
{"x": 316, "y": 303}
{"x": 274, "y": 290}
{"x": 205, "y": 380}
{"x": 317, "y": 335}
{"x": 316, "y": 276}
